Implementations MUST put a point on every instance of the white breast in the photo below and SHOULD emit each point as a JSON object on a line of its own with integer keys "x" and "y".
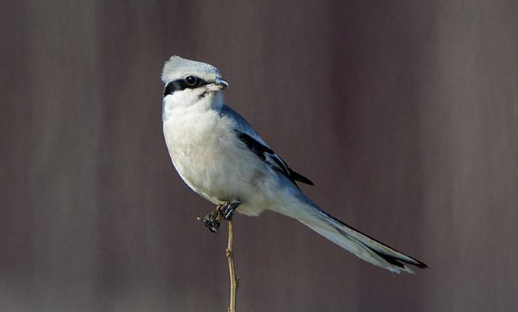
{"x": 209, "y": 156}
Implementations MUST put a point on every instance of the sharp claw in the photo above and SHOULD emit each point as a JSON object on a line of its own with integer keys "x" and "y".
{"x": 211, "y": 221}
{"x": 223, "y": 211}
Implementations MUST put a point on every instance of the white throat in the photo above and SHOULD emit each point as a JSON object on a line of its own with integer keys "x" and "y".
{"x": 190, "y": 100}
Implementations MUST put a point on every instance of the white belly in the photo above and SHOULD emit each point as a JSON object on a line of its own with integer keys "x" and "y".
{"x": 212, "y": 161}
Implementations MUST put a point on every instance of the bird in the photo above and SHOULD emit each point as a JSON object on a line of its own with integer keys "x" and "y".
{"x": 221, "y": 157}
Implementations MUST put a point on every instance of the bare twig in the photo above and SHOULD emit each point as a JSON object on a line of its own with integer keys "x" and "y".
{"x": 230, "y": 257}
{"x": 212, "y": 221}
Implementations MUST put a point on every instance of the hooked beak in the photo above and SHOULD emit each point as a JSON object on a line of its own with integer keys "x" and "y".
{"x": 218, "y": 85}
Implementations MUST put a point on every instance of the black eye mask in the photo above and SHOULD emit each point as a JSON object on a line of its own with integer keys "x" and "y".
{"x": 190, "y": 82}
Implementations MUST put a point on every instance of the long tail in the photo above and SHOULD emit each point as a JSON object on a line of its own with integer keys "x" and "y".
{"x": 353, "y": 240}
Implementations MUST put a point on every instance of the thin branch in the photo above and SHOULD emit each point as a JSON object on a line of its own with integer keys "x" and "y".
{"x": 230, "y": 257}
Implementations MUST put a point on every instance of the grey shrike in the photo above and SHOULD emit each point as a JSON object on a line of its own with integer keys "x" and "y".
{"x": 219, "y": 155}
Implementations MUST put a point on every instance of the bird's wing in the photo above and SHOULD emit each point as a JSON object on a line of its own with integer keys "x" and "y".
{"x": 273, "y": 160}
{"x": 256, "y": 145}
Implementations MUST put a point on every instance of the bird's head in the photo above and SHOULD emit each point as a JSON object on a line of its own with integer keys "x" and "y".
{"x": 187, "y": 82}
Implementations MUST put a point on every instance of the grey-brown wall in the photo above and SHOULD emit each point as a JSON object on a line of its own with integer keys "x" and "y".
{"x": 404, "y": 114}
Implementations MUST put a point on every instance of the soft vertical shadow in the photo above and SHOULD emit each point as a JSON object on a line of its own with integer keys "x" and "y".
{"x": 381, "y": 55}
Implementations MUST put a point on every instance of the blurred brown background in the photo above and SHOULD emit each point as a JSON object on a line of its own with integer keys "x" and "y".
{"x": 404, "y": 114}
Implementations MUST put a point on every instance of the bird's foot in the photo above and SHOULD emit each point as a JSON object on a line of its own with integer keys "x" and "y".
{"x": 223, "y": 211}
{"x": 212, "y": 220}
{"x": 227, "y": 209}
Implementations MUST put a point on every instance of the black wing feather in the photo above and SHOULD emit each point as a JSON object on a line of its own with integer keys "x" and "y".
{"x": 269, "y": 156}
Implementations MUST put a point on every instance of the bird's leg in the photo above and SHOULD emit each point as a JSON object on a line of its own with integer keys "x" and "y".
{"x": 212, "y": 220}
{"x": 223, "y": 211}
{"x": 227, "y": 209}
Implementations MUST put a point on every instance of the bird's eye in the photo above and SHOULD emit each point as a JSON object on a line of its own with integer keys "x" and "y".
{"x": 191, "y": 81}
